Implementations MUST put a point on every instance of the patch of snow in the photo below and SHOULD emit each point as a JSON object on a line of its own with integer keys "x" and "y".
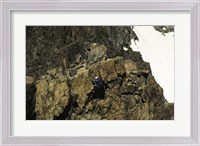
{"x": 164, "y": 28}
{"x": 125, "y": 49}
{"x": 158, "y": 50}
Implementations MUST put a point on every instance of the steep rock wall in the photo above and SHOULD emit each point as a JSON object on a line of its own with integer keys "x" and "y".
{"x": 62, "y": 62}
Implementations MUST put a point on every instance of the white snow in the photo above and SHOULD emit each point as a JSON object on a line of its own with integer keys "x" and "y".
{"x": 158, "y": 50}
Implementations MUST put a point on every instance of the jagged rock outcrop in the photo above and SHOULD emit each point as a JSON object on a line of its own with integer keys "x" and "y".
{"x": 164, "y": 29}
{"x": 52, "y": 94}
{"x": 63, "y": 86}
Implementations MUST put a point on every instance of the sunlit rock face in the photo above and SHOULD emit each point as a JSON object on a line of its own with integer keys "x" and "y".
{"x": 63, "y": 61}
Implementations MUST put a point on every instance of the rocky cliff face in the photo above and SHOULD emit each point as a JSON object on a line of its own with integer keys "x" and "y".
{"x": 62, "y": 61}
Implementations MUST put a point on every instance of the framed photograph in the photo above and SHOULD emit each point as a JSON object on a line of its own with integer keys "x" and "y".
{"x": 99, "y": 72}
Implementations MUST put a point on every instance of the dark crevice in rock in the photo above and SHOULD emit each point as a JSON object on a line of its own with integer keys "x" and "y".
{"x": 67, "y": 112}
{"x": 30, "y": 102}
{"x": 127, "y": 93}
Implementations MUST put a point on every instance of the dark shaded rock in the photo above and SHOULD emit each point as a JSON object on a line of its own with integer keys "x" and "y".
{"x": 50, "y": 47}
{"x": 30, "y": 102}
{"x": 164, "y": 29}
{"x": 30, "y": 98}
{"x": 136, "y": 57}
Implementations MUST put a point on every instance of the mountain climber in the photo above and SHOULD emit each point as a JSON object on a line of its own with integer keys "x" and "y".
{"x": 98, "y": 91}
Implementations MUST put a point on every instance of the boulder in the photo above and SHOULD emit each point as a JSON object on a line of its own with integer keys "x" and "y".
{"x": 130, "y": 66}
{"x": 107, "y": 70}
{"x": 83, "y": 70}
{"x": 29, "y": 80}
{"x": 81, "y": 86}
{"x": 96, "y": 53}
{"x": 120, "y": 66}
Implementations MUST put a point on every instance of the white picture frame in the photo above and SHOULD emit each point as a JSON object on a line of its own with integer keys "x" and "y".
{"x": 7, "y": 6}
